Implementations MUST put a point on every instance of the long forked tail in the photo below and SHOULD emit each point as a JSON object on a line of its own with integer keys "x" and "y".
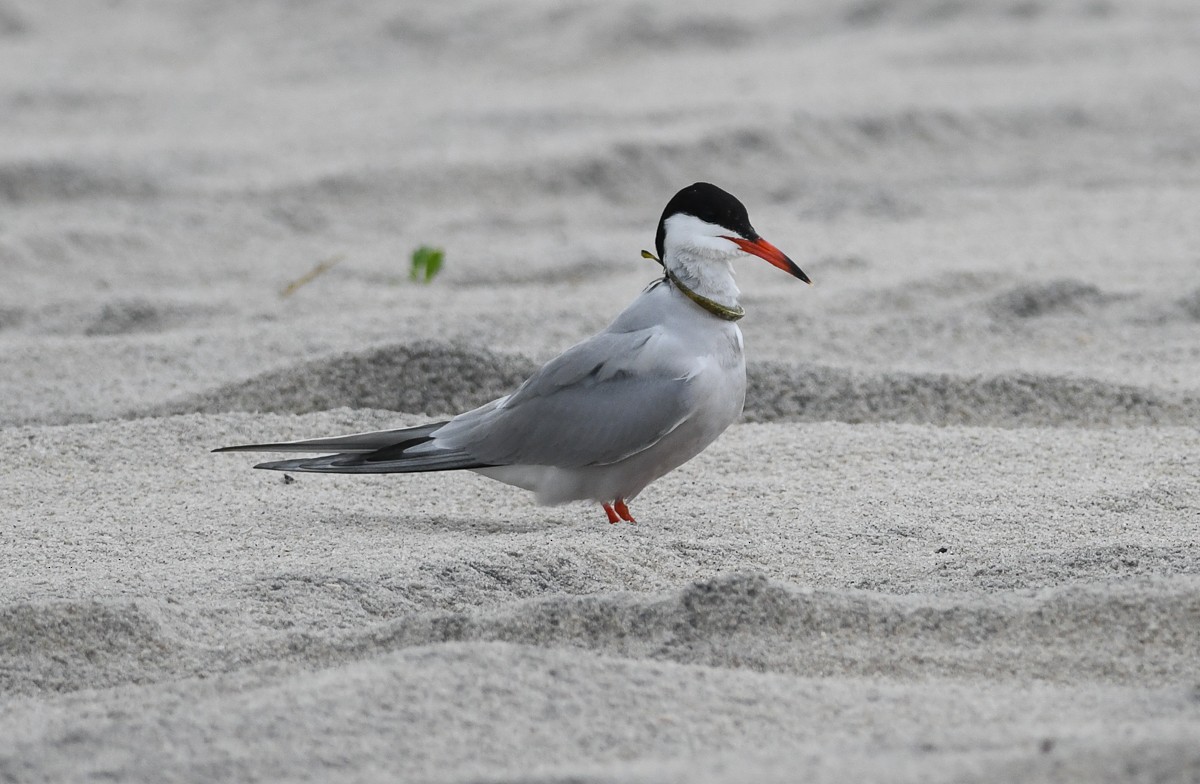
{"x": 407, "y": 450}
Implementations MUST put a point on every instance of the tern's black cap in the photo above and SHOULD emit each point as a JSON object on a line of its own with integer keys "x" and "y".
{"x": 710, "y": 204}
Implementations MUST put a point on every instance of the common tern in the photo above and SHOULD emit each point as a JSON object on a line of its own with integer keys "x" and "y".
{"x": 610, "y": 415}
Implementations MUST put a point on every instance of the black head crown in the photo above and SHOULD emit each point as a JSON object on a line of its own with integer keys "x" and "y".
{"x": 710, "y": 204}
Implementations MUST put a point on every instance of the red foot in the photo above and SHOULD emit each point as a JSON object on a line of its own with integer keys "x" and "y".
{"x": 612, "y": 516}
{"x": 623, "y": 510}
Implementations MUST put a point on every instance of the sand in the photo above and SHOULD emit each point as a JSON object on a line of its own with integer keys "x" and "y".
{"x": 956, "y": 537}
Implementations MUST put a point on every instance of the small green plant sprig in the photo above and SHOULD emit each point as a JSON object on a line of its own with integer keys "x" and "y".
{"x": 426, "y": 263}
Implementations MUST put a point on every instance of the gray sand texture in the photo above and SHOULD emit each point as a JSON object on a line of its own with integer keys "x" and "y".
{"x": 954, "y": 538}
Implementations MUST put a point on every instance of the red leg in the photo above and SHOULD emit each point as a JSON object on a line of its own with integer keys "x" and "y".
{"x": 612, "y": 516}
{"x": 623, "y": 510}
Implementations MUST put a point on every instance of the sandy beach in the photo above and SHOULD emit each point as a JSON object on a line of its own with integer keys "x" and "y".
{"x": 956, "y": 536}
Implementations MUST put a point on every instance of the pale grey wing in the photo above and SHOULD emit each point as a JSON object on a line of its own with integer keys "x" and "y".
{"x": 601, "y": 401}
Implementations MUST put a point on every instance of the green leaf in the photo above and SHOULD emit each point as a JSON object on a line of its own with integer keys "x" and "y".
{"x": 426, "y": 263}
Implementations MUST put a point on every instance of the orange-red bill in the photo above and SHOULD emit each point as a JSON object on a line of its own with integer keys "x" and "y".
{"x": 765, "y": 250}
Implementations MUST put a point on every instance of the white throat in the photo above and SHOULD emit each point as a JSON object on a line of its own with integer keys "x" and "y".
{"x": 695, "y": 252}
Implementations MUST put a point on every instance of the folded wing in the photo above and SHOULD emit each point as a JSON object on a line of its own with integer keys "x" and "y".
{"x": 599, "y": 402}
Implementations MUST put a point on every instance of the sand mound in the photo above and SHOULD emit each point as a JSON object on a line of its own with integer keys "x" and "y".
{"x": 426, "y": 377}
{"x": 779, "y": 391}
{"x": 436, "y": 378}
{"x": 64, "y": 646}
{"x": 1042, "y": 299}
{"x": 1191, "y": 305}
{"x": 748, "y": 621}
{"x": 127, "y": 316}
{"x": 12, "y": 24}
{"x": 502, "y": 712}
{"x": 50, "y": 180}
{"x": 106, "y": 318}
{"x": 640, "y": 167}
{"x": 742, "y": 621}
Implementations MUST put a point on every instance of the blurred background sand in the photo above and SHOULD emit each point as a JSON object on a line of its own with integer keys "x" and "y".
{"x": 955, "y": 540}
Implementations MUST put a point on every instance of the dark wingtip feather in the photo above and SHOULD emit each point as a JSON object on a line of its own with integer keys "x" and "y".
{"x": 283, "y": 465}
{"x": 247, "y": 448}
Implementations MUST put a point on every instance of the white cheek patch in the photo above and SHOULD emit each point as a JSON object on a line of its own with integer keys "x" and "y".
{"x": 690, "y": 234}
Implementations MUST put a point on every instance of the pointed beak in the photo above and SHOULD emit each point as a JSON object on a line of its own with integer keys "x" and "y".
{"x": 765, "y": 250}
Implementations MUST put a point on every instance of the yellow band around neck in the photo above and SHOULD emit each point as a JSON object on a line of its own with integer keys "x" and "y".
{"x": 712, "y": 306}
